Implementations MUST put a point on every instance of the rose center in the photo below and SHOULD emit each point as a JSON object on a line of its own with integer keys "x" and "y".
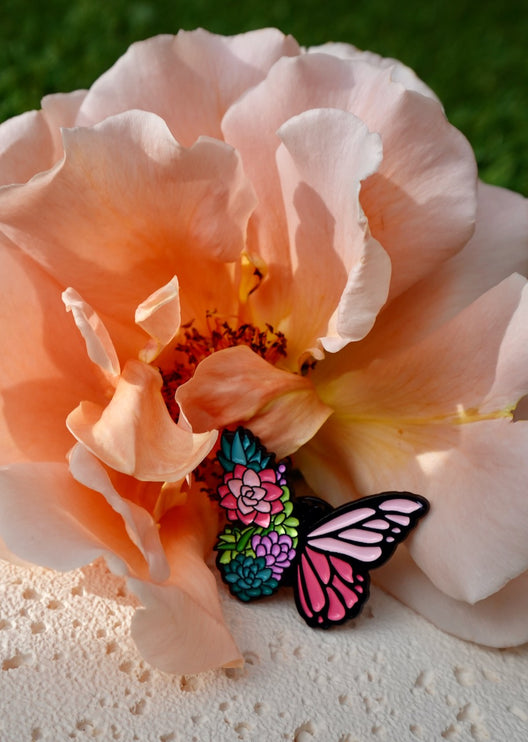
{"x": 194, "y": 345}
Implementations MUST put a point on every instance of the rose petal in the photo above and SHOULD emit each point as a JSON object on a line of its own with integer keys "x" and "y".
{"x": 237, "y": 386}
{"x": 473, "y": 542}
{"x": 135, "y": 434}
{"x": 99, "y": 345}
{"x": 324, "y": 156}
{"x": 70, "y": 525}
{"x": 502, "y": 220}
{"x": 182, "y": 628}
{"x": 389, "y": 411}
{"x": 189, "y": 80}
{"x": 399, "y": 71}
{"x": 476, "y": 541}
{"x": 498, "y": 621}
{"x": 140, "y": 526}
{"x": 43, "y": 371}
{"x": 159, "y": 315}
{"x": 474, "y": 365}
{"x": 170, "y": 495}
{"x": 62, "y": 110}
{"x": 428, "y": 169}
{"x": 8, "y": 556}
{"x": 31, "y": 142}
{"x": 433, "y": 420}
{"x": 26, "y": 147}
{"x": 148, "y": 205}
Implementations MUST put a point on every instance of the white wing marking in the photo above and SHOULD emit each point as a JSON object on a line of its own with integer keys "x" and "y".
{"x": 364, "y": 537}
{"x": 401, "y": 506}
{"x": 403, "y": 520}
{"x": 344, "y": 520}
{"x": 380, "y": 525}
{"x": 334, "y": 545}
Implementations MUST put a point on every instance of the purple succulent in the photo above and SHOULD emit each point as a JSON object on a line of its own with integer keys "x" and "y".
{"x": 277, "y": 550}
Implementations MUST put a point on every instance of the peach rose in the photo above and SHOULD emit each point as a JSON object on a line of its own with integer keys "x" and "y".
{"x": 243, "y": 231}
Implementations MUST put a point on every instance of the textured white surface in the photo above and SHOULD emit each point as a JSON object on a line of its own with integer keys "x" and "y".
{"x": 69, "y": 671}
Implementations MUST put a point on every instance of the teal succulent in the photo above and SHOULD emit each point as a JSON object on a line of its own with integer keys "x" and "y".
{"x": 243, "y": 448}
{"x": 249, "y": 577}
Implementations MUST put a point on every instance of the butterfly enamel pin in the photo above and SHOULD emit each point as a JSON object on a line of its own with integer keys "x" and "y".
{"x": 272, "y": 539}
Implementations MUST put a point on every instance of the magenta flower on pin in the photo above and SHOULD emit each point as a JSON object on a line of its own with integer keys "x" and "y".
{"x": 250, "y": 496}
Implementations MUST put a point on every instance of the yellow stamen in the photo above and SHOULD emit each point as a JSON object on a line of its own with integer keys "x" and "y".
{"x": 252, "y": 271}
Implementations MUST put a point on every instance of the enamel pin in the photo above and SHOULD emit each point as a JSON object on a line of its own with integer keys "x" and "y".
{"x": 325, "y": 554}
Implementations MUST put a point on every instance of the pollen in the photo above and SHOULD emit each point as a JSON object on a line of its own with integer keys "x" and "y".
{"x": 194, "y": 346}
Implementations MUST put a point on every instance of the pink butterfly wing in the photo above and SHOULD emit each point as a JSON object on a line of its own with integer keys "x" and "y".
{"x": 329, "y": 589}
{"x": 332, "y": 572}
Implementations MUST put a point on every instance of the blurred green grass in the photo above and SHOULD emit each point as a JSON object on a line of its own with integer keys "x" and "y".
{"x": 471, "y": 52}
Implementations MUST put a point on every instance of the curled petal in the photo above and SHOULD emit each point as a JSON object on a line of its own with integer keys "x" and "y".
{"x": 28, "y": 130}
{"x": 62, "y": 109}
{"x": 159, "y": 316}
{"x": 428, "y": 168}
{"x": 99, "y": 345}
{"x": 501, "y": 620}
{"x": 452, "y": 373}
{"x": 391, "y": 410}
{"x": 189, "y": 80}
{"x": 70, "y": 525}
{"x": 31, "y": 142}
{"x": 135, "y": 434}
{"x": 323, "y": 159}
{"x": 478, "y": 496}
{"x": 140, "y": 525}
{"x": 181, "y": 628}
{"x": 236, "y": 385}
{"x": 43, "y": 367}
{"x": 502, "y": 220}
{"x": 436, "y": 420}
{"x": 399, "y": 72}
{"x": 498, "y": 248}
{"x": 146, "y": 201}
{"x": 169, "y": 495}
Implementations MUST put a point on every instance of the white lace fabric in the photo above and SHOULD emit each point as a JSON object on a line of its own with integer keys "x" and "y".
{"x": 70, "y": 671}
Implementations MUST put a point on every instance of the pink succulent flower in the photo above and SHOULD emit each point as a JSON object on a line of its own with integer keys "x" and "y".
{"x": 245, "y": 232}
{"x": 250, "y": 496}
